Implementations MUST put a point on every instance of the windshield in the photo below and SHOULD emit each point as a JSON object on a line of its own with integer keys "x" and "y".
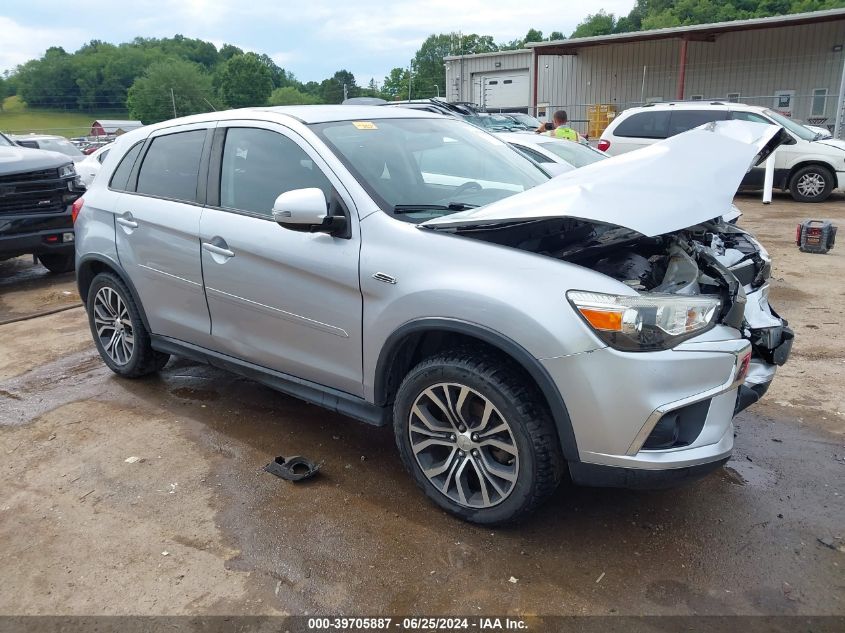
{"x": 527, "y": 120}
{"x": 60, "y": 145}
{"x": 798, "y": 130}
{"x": 418, "y": 169}
{"x": 575, "y": 154}
{"x": 4, "y": 142}
{"x": 492, "y": 122}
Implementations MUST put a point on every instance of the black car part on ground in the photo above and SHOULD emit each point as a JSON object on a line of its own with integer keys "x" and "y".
{"x": 294, "y": 468}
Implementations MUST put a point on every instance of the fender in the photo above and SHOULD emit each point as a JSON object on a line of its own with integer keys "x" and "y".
{"x": 89, "y": 260}
{"x": 530, "y": 364}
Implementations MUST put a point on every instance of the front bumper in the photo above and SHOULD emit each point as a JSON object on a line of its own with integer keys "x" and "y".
{"x": 35, "y": 233}
{"x": 616, "y": 400}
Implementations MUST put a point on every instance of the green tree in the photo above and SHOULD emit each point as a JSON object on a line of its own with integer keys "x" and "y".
{"x": 49, "y": 81}
{"x": 331, "y": 89}
{"x": 601, "y": 23}
{"x": 245, "y": 80}
{"x": 152, "y": 96}
{"x": 395, "y": 85}
{"x": 556, "y": 35}
{"x": 533, "y": 35}
{"x": 3, "y": 92}
{"x": 228, "y": 51}
{"x": 289, "y": 95}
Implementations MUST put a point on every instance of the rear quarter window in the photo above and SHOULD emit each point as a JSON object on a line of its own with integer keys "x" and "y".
{"x": 120, "y": 177}
{"x": 653, "y": 124}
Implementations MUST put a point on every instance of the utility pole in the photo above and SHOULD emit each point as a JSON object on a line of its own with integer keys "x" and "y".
{"x": 345, "y": 92}
{"x": 173, "y": 101}
{"x": 410, "y": 80}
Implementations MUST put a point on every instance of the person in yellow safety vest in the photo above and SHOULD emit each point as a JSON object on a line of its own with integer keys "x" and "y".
{"x": 562, "y": 129}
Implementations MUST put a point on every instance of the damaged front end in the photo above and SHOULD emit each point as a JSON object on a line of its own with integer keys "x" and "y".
{"x": 712, "y": 261}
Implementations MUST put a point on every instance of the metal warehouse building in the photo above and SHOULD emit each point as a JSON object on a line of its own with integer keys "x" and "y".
{"x": 794, "y": 64}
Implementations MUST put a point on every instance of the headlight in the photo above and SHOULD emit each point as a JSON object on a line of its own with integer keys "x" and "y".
{"x": 642, "y": 323}
{"x": 67, "y": 170}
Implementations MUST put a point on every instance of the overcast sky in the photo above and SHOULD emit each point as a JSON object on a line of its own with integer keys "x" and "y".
{"x": 311, "y": 38}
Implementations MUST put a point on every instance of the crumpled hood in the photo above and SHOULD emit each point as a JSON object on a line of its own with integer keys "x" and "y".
{"x": 16, "y": 159}
{"x": 665, "y": 187}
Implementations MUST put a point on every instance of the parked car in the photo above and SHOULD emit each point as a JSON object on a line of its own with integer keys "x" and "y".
{"x": 37, "y": 189}
{"x": 808, "y": 166}
{"x": 556, "y": 156}
{"x": 405, "y": 268}
{"x": 51, "y": 143}
{"x": 464, "y": 111}
{"x": 820, "y": 132}
{"x": 525, "y": 121}
{"x": 90, "y": 166}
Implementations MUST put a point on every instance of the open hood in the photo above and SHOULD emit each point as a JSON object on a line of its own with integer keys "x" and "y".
{"x": 671, "y": 185}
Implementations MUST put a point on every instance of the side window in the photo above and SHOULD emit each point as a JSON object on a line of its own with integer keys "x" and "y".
{"x": 171, "y": 166}
{"x": 102, "y": 156}
{"x": 653, "y": 124}
{"x": 750, "y": 116}
{"x": 684, "y": 120}
{"x": 121, "y": 174}
{"x": 258, "y": 165}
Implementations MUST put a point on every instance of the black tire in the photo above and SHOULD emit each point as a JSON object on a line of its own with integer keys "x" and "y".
{"x": 143, "y": 359}
{"x": 500, "y": 381}
{"x": 57, "y": 262}
{"x": 807, "y": 178}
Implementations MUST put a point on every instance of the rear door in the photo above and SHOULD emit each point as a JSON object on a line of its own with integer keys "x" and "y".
{"x": 282, "y": 299}
{"x": 157, "y": 231}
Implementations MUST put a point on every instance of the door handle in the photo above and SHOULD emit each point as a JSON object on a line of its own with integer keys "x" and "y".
{"x": 217, "y": 250}
{"x": 127, "y": 221}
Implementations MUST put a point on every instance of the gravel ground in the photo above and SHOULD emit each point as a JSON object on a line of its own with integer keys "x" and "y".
{"x": 193, "y": 525}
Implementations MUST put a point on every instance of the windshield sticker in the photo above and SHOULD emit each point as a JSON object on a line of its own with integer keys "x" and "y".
{"x": 364, "y": 125}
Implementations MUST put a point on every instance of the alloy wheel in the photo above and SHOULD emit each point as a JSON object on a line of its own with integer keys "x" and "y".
{"x": 114, "y": 325}
{"x": 463, "y": 445}
{"x": 811, "y": 185}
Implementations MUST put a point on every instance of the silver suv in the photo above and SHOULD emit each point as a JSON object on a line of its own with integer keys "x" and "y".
{"x": 405, "y": 268}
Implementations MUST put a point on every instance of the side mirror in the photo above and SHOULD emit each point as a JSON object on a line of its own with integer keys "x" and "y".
{"x": 306, "y": 210}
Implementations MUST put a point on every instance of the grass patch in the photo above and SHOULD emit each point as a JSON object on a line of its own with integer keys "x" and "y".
{"x": 17, "y": 118}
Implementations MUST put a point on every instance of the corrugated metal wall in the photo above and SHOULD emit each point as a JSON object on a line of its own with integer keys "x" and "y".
{"x": 459, "y": 83}
{"x": 756, "y": 64}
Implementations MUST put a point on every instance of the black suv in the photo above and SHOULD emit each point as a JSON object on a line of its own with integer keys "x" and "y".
{"x": 37, "y": 190}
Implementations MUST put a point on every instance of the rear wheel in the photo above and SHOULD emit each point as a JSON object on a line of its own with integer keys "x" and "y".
{"x": 118, "y": 331}
{"x": 471, "y": 430}
{"x": 811, "y": 184}
{"x": 57, "y": 262}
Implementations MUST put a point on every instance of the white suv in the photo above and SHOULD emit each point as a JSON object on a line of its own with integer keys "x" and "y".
{"x": 809, "y": 166}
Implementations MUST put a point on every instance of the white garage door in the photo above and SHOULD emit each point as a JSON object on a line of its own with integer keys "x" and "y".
{"x": 507, "y": 89}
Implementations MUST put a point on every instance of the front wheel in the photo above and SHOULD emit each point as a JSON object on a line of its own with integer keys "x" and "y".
{"x": 811, "y": 184}
{"x": 118, "y": 331}
{"x": 473, "y": 433}
{"x": 57, "y": 262}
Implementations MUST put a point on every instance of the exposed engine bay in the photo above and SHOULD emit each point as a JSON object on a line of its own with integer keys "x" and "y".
{"x": 712, "y": 258}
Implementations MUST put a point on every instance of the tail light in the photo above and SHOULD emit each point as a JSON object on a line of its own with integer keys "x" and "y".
{"x": 76, "y": 208}
{"x": 798, "y": 235}
{"x": 603, "y": 145}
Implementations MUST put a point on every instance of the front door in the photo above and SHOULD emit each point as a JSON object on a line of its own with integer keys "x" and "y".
{"x": 281, "y": 299}
{"x": 157, "y": 232}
